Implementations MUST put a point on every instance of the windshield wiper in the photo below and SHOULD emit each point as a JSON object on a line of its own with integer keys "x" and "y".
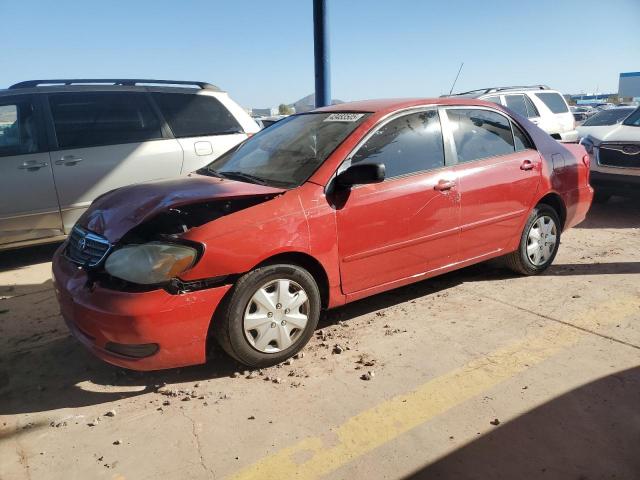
{"x": 242, "y": 176}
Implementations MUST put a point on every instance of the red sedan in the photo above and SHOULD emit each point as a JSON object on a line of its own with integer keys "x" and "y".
{"x": 320, "y": 209}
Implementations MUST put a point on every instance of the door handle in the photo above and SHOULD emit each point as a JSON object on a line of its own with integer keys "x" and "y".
{"x": 68, "y": 160}
{"x": 31, "y": 165}
{"x": 527, "y": 165}
{"x": 444, "y": 185}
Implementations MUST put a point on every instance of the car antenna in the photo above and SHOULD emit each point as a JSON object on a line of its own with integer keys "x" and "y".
{"x": 454, "y": 82}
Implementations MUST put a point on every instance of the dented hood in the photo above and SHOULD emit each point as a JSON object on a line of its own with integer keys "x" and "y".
{"x": 118, "y": 211}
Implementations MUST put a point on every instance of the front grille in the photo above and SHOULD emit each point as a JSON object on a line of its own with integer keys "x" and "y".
{"x": 625, "y": 155}
{"x": 86, "y": 248}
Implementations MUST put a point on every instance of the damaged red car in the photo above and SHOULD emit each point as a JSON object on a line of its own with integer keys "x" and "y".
{"x": 321, "y": 209}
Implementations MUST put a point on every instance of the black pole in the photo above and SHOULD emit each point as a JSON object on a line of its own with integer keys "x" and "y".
{"x": 321, "y": 53}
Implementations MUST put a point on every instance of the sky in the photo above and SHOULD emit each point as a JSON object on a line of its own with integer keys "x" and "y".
{"x": 261, "y": 52}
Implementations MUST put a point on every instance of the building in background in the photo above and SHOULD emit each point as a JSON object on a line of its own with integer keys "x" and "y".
{"x": 264, "y": 112}
{"x": 629, "y": 85}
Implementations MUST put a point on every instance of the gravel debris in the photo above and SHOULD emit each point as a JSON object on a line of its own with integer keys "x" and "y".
{"x": 110, "y": 413}
{"x": 299, "y": 355}
{"x": 368, "y": 376}
{"x": 338, "y": 349}
{"x": 117, "y": 442}
{"x": 495, "y": 422}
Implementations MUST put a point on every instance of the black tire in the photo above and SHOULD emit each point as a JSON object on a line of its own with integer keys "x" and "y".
{"x": 519, "y": 260}
{"x": 229, "y": 320}
{"x": 601, "y": 197}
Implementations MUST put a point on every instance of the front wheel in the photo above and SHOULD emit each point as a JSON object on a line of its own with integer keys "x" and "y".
{"x": 270, "y": 316}
{"x": 538, "y": 244}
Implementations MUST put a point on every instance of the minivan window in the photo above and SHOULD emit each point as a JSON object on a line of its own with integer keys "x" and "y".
{"x": 480, "y": 134}
{"x": 18, "y": 134}
{"x": 517, "y": 104}
{"x": 102, "y": 118}
{"x": 196, "y": 115}
{"x": 554, "y": 101}
{"x": 288, "y": 152}
{"x": 408, "y": 144}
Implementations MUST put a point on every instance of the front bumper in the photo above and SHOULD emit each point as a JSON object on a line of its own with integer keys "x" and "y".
{"x": 615, "y": 183}
{"x": 100, "y": 317}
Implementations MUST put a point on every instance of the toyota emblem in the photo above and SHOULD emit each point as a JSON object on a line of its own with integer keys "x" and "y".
{"x": 82, "y": 243}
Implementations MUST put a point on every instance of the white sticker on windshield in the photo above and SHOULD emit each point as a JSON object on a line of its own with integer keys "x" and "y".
{"x": 344, "y": 117}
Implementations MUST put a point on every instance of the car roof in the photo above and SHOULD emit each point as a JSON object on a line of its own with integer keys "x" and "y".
{"x": 392, "y": 104}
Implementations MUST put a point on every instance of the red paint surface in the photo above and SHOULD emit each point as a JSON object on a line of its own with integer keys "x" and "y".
{"x": 383, "y": 236}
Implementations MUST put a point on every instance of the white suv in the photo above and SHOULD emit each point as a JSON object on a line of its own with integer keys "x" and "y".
{"x": 545, "y": 107}
{"x": 65, "y": 142}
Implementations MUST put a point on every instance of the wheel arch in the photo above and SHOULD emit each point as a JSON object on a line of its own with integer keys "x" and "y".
{"x": 555, "y": 201}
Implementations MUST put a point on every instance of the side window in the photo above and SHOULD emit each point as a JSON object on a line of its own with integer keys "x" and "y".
{"x": 517, "y": 104}
{"x": 521, "y": 139}
{"x": 104, "y": 118}
{"x": 554, "y": 101}
{"x": 480, "y": 134}
{"x": 18, "y": 134}
{"x": 493, "y": 99}
{"x": 411, "y": 143}
{"x": 196, "y": 115}
{"x": 532, "y": 111}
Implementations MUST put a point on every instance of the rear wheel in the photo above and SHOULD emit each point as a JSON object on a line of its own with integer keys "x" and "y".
{"x": 270, "y": 316}
{"x": 538, "y": 244}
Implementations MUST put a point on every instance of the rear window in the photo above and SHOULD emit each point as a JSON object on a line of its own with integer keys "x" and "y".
{"x": 480, "y": 134}
{"x": 196, "y": 115}
{"x": 106, "y": 118}
{"x": 554, "y": 101}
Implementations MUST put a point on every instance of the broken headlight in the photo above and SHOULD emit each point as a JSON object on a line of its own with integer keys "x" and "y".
{"x": 150, "y": 263}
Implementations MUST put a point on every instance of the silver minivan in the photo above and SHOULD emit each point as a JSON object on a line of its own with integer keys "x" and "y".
{"x": 65, "y": 142}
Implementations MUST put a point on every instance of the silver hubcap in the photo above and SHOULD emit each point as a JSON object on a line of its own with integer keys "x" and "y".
{"x": 276, "y": 315}
{"x": 541, "y": 241}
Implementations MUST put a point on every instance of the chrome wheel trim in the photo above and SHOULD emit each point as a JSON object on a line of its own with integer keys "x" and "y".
{"x": 276, "y": 315}
{"x": 541, "y": 240}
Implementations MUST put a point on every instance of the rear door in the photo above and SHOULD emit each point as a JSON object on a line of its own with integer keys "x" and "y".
{"x": 106, "y": 140}
{"x": 408, "y": 224}
{"x": 28, "y": 203}
{"x": 204, "y": 126}
{"x": 499, "y": 173}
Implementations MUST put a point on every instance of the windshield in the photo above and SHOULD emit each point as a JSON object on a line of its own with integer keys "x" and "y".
{"x": 608, "y": 117}
{"x": 633, "y": 120}
{"x": 287, "y": 153}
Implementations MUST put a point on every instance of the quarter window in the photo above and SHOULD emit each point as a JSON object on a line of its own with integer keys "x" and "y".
{"x": 18, "y": 134}
{"x": 532, "y": 111}
{"x": 554, "y": 101}
{"x": 480, "y": 134}
{"x": 408, "y": 144}
{"x": 521, "y": 140}
{"x": 105, "y": 118}
{"x": 196, "y": 115}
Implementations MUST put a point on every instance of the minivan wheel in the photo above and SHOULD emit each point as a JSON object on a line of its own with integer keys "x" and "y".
{"x": 538, "y": 244}
{"x": 270, "y": 316}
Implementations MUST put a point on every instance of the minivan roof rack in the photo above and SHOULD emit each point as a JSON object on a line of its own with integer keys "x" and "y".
{"x": 112, "y": 81}
{"x": 482, "y": 91}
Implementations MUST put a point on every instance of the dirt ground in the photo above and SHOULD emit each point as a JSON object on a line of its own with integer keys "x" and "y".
{"x": 478, "y": 374}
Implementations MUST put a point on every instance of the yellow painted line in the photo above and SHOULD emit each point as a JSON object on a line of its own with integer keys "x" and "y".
{"x": 312, "y": 457}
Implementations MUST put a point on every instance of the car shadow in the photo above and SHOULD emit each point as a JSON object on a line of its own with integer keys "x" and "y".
{"x": 23, "y": 257}
{"x": 618, "y": 212}
{"x": 590, "y": 432}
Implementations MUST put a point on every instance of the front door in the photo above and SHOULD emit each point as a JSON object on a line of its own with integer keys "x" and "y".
{"x": 408, "y": 224}
{"x": 106, "y": 140}
{"x": 499, "y": 173}
{"x": 28, "y": 203}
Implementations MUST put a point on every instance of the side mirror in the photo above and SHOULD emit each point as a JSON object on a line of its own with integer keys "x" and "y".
{"x": 360, "y": 174}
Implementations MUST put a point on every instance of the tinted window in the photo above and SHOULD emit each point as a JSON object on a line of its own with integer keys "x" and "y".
{"x": 480, "y": 134}
{"x": 517, "y": 104}
{"x": 18, "y": 128}
{"x": 633, "y": 120}
{"x": 532, "y": 111}
{"x": 408, "y": 144}
{"x": 289, "y": 151}
{"x": 608, "y": 117}
{"x": 196, "y": 115}
{"x": 521, "y": 139}
{"x": 493, "y": 99}
{"x": 92, "y": 119}
{"x": 554, "y": 101}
